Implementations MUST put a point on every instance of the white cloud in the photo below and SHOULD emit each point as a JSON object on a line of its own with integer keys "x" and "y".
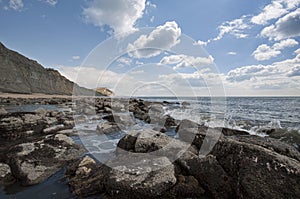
{"x": 148, "y": 3}
{"x": 201, "y": 43}
{"x": 274, "y": 10}
{"x": 76, "y": 57}
{"x": 124, "y": 60}
{"x": 265, "y": 52}
{"x": 162, "y": 38}
{"x": 231, "y": 53}
{"x": 120, "y": 15}
{"x": 16, "y": 4}
{"x": 184, "y": 61}
{"x": 152, "y": 19}
{"x": 50, "y": 2}
{"x": 285, "y": 43}
{"x": 235, "y": 27}
{"x": 90, "y": 77}
{"x": 297, "y": 52}
{"x": 286, "y": 27}
{"x": 271, "y": 11}
{"x": 282, "y": 76}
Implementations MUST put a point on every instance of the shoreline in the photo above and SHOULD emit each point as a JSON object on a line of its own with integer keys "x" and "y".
{"x": 32, "y": 96}
{"x": 45, "y": 138}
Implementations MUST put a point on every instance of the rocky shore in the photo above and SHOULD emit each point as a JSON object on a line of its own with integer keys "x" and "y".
{"x": 197, "y": 162}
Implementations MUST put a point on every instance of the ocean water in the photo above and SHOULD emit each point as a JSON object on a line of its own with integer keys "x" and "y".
{"x": 248, "y": 113}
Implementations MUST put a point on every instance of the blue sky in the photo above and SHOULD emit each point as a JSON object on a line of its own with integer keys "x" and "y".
{"x": 239, "y": 47}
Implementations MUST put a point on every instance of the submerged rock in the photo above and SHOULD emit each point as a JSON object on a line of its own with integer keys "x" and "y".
{"x": 34, "y": 162}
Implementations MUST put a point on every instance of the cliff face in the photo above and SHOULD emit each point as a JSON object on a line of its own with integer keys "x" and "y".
{"x": 19, "y": 74}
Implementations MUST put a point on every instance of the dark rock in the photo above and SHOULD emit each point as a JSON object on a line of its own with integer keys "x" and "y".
{"x": 127, "y": 143}
{"x": 271, "y": 144}
{"x": 184, "y": 103}
{"x": 232, "y": 132}
{"x": 136, "y": 176}
{"x": 118, "y": 118}
{"x": 108, "y": 128}
{"x": 6, "y": 177}
{"x": 87, "y": 177}
{"x": 186, "y": 187}
{"x": 209, "y": 174}
{"x": 291, "y": 137}
{"x": 13, "y": 125}
{"x": 257, "y": 172}
{"x": 149, "y": 141}
{"x": 34, "y": 162}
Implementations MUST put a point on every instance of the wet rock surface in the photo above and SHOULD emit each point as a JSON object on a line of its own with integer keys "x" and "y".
{"x": 147, "y": 163}
{"x": 33, "y": 162}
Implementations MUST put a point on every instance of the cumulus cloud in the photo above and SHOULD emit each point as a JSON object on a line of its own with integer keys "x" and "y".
{"x": 184, "y": 61}
{"x": 271, "y": 11}
{"x": 235, "y": 27}
{"x": 283, "y": 76}
{"x": 120, "y": 15}
{"x": 265, "y": 52}
{"x": 286, "y": 27}
{"x": 274, "y": 10}
{"x": 16, "y": 4}
{"x": 162, "y": 38}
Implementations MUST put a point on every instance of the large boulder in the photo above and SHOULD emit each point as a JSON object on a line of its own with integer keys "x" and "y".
{"x": 256, "y": 171}
{"x": 154, "y": 142}
{"x": 34, "y": 162}
{"x": 136, "y": 176}
{"x": 209, "y": 174}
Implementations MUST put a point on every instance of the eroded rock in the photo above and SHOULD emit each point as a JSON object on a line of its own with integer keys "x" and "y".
{"x": 33, "y": 162}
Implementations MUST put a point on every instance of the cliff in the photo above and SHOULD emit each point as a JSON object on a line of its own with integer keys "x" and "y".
{"x": 18, "y": 74}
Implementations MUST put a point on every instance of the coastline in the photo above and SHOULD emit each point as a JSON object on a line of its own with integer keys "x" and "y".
{"x": 42, "y": 131}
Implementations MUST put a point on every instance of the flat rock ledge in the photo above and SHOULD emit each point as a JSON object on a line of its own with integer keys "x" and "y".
{"x": 34, "y": 162}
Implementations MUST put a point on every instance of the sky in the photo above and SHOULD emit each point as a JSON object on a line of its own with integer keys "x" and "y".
{"x": 169, "y": 47}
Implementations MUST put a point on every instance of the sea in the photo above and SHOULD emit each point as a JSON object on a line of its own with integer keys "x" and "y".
{"x": 252, "y": 114}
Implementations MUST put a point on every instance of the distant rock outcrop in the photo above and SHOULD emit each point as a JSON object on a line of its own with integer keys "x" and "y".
{"x": 22, "y": 75}
{"x": 104, "y": 91}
